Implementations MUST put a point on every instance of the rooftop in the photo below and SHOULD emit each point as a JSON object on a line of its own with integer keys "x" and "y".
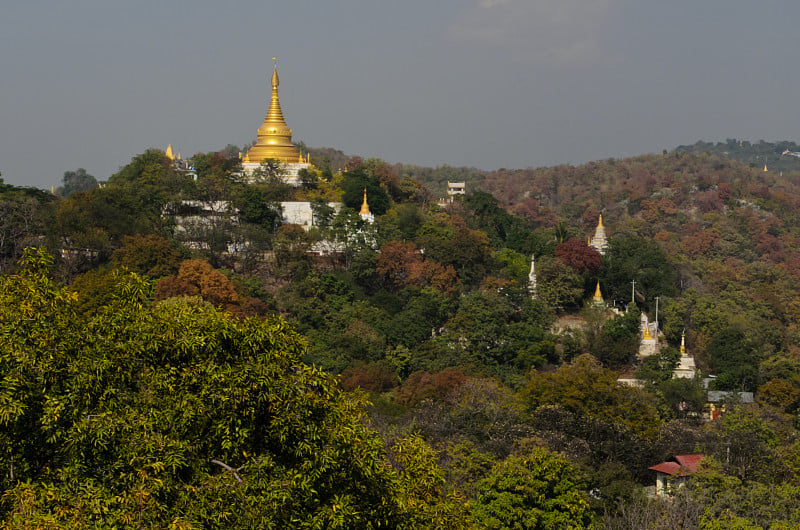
{"x": 679, "y": 465}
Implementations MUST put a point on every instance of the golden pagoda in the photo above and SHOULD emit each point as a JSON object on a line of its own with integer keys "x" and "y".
{"x": 598, "y": 296}
{"x": 274, "y": 136}
{"x": 364, "y": 205}
{"x": 169, "y": 152}
{"x": 364, "y": 212}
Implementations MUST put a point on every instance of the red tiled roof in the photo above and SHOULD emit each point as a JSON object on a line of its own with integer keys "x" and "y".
{"x": 680, "y": 465}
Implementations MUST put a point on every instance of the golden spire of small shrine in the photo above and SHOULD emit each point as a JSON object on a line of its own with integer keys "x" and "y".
{"x": 598, "y": 296}
{"x": 683, "y": 342}
{"x": 600, "y": 221}
{"x": 169, "y": 152}
{"x": 364, "y": 205}
{"x": 647, "y": 335}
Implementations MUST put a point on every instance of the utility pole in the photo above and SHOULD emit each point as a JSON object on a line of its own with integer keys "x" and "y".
{"x": 633, "y": 292}
{"x": 657, "y": 297}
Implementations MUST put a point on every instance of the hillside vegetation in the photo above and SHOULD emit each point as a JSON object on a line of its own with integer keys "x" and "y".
{"x": 501, "y": 403}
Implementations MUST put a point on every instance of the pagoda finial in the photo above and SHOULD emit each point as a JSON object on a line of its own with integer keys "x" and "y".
{"x": 364, "y": 205}
{"x": 169, "y": 152}
{"x": 683, "y": 342}
{"x": 275, "y": 80}
{"x": 647, "y": 335}
{"x": 600, "y": 221}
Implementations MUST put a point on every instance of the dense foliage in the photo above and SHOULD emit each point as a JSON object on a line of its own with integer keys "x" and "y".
{"x": 182, "y": 390}
{"x": 175, "y": 414}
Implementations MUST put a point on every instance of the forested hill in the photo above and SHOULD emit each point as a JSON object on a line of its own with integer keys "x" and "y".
{"x": 647, "y": 194}
{"x": 152, "y": 368}
{"x": 753, "y": 154}
{"x": 732, "y": 234}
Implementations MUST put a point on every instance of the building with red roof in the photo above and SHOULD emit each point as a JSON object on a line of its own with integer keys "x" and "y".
{"x": 673, "y": 472}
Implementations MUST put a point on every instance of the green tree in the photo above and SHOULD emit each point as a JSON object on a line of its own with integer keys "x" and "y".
{"x": 271, "y": 171}
{"x": 448, "y": 240}
{"x": 73, "y": 181}
{"x": 683, "y": 397}
{"x": 558, "y": 285}
{"x": 586, "y": 388}
{"x": 735, "y": 358}
{"x": 745, "y": 441}
{"x": 24, "y": 218}
{"x": 149, "y": 255}
{"x": 353, "y": 185}
{"x": 631, "y": 258}
{"x": 259, "y": 205}
{"x": 176, "y": 415}
{"x": 618, "y": 340}
{"x": 658, "y": 368}
{"x": 536, "y": 491}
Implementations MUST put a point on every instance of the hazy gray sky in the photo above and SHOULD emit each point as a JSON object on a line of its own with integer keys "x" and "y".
{"x": 485, "y": 83}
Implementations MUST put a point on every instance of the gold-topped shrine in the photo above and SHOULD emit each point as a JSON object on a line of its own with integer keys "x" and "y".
{"x": 274, "y": 136}
{"x": 599, "y": 242}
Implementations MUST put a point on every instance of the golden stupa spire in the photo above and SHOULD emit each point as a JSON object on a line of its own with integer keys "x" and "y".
{"x": 598, "y": 296}
{"x": 683, "y": 342}
{"x": 600, "y": 221}
{"x": 179, "y": 156}
{"x": 169, "y": 152}
{"x": 274, "y": 136}
{"x": 274, "y": 113}
{"x": 364, "y": 205}
{"x": 647, "y": 335}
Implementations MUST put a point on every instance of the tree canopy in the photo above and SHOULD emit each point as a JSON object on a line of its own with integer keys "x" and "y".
{"x": 176, "y": 414}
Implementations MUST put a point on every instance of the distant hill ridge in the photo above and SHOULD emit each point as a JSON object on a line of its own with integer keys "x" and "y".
{"x": 756, "y": 154}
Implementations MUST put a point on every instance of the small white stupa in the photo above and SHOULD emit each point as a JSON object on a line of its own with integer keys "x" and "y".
{"x": 686, "y": 367}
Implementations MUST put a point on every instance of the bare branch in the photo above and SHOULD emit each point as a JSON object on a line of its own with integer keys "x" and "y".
{"x": 229, "y": 468}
